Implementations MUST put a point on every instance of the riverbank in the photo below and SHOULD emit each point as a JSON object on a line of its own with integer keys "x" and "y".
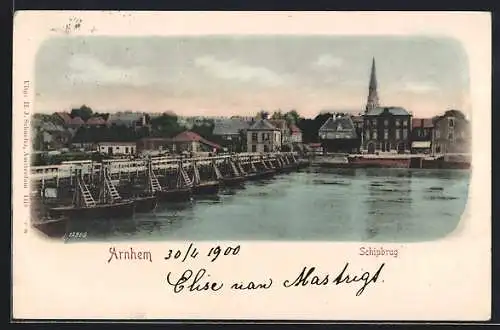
{"x": 448, "y": 161}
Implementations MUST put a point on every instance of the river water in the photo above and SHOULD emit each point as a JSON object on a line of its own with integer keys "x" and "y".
{"x": 389, "y": 205}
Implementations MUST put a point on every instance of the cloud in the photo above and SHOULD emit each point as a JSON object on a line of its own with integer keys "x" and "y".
{"x": 327, "y": 61}
{"x": 233, "y": 70}
{"x": 85, "y": 69}
{"x": 419, "y": 87}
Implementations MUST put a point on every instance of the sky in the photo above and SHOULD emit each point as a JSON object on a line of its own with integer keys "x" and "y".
{"x": 241, "y": 75}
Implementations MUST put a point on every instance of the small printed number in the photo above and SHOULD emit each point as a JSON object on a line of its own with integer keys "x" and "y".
{"x": 77, "y": 234}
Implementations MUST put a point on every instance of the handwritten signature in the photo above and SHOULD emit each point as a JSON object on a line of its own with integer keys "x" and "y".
{"x": 198, "y": 281}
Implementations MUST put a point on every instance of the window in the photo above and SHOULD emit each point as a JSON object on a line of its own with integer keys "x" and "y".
{"x": 405, "y": 133}
{"x": 374, "y": 122}
{"x": 254, "y": 137}
{"x": 386, "y": 134}
{"x": 397, "y": 123}
{"x": 254, "y": 148}
{"x": 451, "y": 136}
{"x": 398, "y": 134}
{"x": 386, "y": 122}
{"x": 116, "y": 148}
{"x": 374, "y": 135}
{"x": 405, "y": 123}
{"x": 451, "y": 122}
{"x": 126, "y": 150}
{"x": 367, "y": 134}
{"x": 437, "y": 134}
{"x": 266, "y": 148}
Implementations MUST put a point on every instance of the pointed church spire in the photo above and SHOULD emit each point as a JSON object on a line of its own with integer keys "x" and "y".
{"x": 372, "y": 101}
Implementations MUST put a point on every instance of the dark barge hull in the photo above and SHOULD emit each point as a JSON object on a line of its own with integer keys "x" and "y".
{"x": 290, "y": 168}
{"x": 53, "y": 228}
{"x": 145, "y": 204}
{"x": 252, "y": 176}
{"x": 175, "y": 195}
{"x": 267, "y": 174}
{"x": 116, "y": 210}
{"x": 233, "y": 181}
{"x": 206, "y": 188}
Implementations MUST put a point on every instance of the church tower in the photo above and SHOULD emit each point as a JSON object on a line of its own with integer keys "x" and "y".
{"x": 372, "y": 101}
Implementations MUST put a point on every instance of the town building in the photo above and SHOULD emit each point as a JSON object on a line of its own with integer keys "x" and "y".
{"x": 117, "y": 148}
{"x": 48, "y": 135}
{"x": 452, "y": 133}
{"x": 262, "y": 136}
{"x": 188, "y": 141}
{"x": 150, "y": 144}
{"x": 385, "y": 128}
{"x": 421, "y": 135}
{"x": 95, "y": 121}
{"x": 282, "y": 125}
{"x": 232, "y": 133}
{"x": 135, "y": 120}
{"x": 338, "y": 135}
{"x": 296, "y": 134}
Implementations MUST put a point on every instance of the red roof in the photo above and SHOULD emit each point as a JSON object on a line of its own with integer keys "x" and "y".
{"x": 422, "y": 122}
{"x": 294, "y": 129}
{"x": 96, "y": 121}
{"x": 77, "y": 121}
{"x": 65, "y": 117}
{"x": 188, "y": 136}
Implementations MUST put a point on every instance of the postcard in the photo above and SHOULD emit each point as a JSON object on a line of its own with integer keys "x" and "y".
{"x": 251, "y": 166}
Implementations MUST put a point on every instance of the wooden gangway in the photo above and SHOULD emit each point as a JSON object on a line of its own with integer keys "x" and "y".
{"x": 127, "y": 166}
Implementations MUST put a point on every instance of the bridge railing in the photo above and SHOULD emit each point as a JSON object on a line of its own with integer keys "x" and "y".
{"x": 67, "y": 170}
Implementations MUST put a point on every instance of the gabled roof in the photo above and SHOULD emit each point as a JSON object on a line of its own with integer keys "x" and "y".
{"x": 343, "y": 125}
{"x": 66, "y": 118}
{"x": 77, "y": 121}
{"x": 262, "y": 125}
{"x": 397, "y": 111}
{"x": 231, "y": 126}
{"x": 188, "y": 136}
{"x": 96, "y": 121}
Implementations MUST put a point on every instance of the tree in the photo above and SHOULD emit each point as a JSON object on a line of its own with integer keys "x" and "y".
{"x": 292, "y": 117}
{"x": 454, "y": 113}
{"x": 278, "y": 115}
{"x": 83, "y": 112}
{"x": 166, "y": 125}
{"x": 205, "y": 131}
{"x": 310, "y": 127}
{"x": 262, "y": 114}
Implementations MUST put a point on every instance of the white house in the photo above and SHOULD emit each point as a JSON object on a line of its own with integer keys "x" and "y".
{"x": 117, "y": 148}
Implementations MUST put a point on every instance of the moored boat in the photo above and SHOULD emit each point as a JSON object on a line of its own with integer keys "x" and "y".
{"x": 109, "y": 204}
{"x": 206, "y": 188}
{"x": 145, "y": 203}
{"x": 174, "y": 195}
{"x": 379, "y": 162}
{"x": 51, "y": 227}
{"x": 266, "y": 174}
{"x": 233, "y": 181}
{"x": 121, "y": 209}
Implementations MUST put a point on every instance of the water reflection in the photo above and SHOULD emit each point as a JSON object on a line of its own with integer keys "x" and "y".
{"x": 333, "y": 204}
